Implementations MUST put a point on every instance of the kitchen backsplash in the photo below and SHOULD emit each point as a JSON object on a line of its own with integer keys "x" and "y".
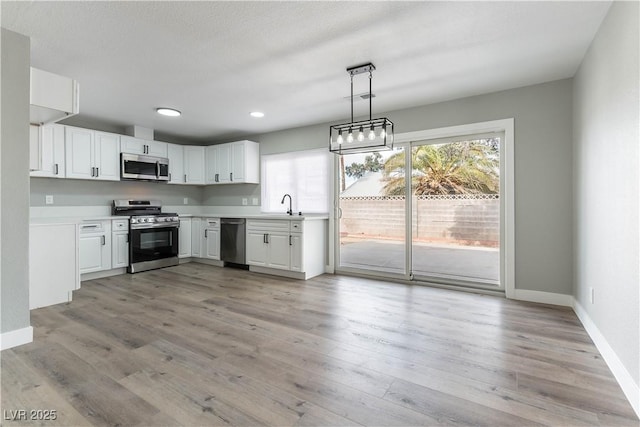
{"x": 72, "y": 192}
{"x": 75, "y": 192}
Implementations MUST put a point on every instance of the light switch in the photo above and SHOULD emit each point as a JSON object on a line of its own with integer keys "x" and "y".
{"x": 254, "y": 201}
{"x": 48, "y": 199}
{"x": 244, "y": 201}
{"x": 185, "y": 201}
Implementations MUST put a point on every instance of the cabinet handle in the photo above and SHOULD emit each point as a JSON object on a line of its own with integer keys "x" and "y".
{"x": 104, "y": 240}
{"x": 93, "y": 173}
{"x": 216, "y": 178}
{"x": 185, "y": 177}
{"x": 267, "y": 238}
{"x": 205, "y": 234}
{"x": 231, "y": 176}
{"x": 290, "y": 244}
{"x": 56, "y": 169}
{"x": 264, "y": 238}
{"x": 97, "y": 172}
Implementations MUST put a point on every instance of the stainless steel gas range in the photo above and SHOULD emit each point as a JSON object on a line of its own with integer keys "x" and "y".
{"x": 153, "y": 234}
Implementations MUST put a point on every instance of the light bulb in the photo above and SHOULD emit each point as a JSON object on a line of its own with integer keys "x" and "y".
{"x": 361, "y": 135}
{"x": 372, "y": 134}
{"x": 383, "y": 132}
{"x": 340, "y": 139}
{"x": 350, "y": 136}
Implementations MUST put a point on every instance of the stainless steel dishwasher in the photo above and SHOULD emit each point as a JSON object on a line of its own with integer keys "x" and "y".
{"x": 232, "y": 240}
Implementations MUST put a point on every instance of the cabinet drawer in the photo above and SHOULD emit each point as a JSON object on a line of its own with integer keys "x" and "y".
{"x": 92, "y": 227}
{"x": 268, "y": 225}
{"x": 296, "y": 226}
{"x": 212, "y": 222}
{"x": 120, "y": 225}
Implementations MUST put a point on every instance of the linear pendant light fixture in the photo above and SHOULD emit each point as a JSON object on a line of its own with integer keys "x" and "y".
{"x": 363, "y": 136}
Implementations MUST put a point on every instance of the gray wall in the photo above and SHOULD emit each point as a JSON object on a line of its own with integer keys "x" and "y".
{"x": 79, "y": 192}
{"x": 606, "y": 139}
{"x": 14, "y": 182}
{"x": 543, "y": 208}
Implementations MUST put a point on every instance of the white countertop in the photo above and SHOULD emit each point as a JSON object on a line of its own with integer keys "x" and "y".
{"x": 79, "y": 220}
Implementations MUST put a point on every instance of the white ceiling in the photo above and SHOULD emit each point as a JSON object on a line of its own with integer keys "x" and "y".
{"x": 218, "y": 61}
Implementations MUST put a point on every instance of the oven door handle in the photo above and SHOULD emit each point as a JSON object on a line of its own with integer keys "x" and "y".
{"x": 157, "y": 169}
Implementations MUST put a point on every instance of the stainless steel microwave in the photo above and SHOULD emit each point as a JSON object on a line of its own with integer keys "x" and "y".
{"x": 144, "y": 168}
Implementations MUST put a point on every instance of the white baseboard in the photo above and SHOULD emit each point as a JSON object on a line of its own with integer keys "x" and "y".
{"x": 543, "y": 297}
{"x": 628, "y": 385}
{"x": 15, "y": 338}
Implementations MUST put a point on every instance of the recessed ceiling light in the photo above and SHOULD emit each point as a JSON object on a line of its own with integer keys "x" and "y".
{"x": 168, "y": 112}
{"x": 257, "y": 114}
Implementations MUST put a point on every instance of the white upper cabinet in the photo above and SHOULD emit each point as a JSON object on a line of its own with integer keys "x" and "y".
{"x": 175, "y": 153}
{"x": 245, "y": 162}
{"x": 186, "y": 164}
{"x": 52, "y": 97}
{"x": 130, "y": 144}
{"x": 211, "y": 164}
{"x": 194, "y": 164}
{"x": 92, "y": 155}
{"x": 49, "y": 151}
{"x": 233, "y": 163}
{"x": 225, "y": 164}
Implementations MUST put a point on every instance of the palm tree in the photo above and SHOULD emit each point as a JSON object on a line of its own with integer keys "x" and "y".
{"x": 453, "y": 168}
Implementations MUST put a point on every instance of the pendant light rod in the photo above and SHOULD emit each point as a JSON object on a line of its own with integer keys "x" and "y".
{"x": 370, "y": 93}
{"x": 352, "y": 97}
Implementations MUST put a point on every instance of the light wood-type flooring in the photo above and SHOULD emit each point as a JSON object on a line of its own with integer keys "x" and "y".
{"x": 200, "y": 345}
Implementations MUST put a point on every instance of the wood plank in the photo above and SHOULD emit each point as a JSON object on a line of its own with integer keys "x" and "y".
{"x": 200, "y": 345}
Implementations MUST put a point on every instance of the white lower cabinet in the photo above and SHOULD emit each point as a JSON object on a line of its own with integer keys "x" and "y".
{"x": 95, "y": 246}
{"x": 53, "y": 264}
{"x": 119, "y": 243}
{"x": 295, "y": 258}
{"x": 297, "y": 246}
{"x": 268, "y": 244}
{"x": 211, "y": 238}
{"x": 184, "y": 241}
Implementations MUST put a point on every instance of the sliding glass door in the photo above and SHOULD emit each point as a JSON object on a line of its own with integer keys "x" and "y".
{"x": 372, "y": 213}
{"x": 444, "y": 226}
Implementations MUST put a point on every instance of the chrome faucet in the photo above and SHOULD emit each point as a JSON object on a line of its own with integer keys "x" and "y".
{"x": 290, "y": 211}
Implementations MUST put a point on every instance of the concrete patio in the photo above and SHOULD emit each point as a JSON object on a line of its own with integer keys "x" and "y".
{"x": 458, "y": 262}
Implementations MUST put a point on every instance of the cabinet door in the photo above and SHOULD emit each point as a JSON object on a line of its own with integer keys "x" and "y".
{"x": 279, "y": 252}
{"x": 91, "y": 253}
{"x": 157, "y": 148}
{"x": 257, "y": 249}
{"x": 246, "y": 162}
{"x": 175, "y": 153}
{"x": 237, "y": 163}
{"x": 225, "y": 153}
{"x": 79, "y": 153}
{"x": 184, "y": 241}
{"x": 119, "y": 250}
{"x": 196, "y": 227}
{"x": 212, "y": 243}
{"x": 296, "y": 252}
{"x": 194, "y": 164}
{"x": 107, "y": 156}
{"x": 133, "y": 145}
{"x": 211, "y": 164}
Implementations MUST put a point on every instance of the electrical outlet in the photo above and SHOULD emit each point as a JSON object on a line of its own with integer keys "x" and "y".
{"x": 48, "y": 199}
{"x": 592, "y": 294}
{"x": 185, "y": 200}
{"x": 254, "y": 201}
{"x": 244, "y": 201}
